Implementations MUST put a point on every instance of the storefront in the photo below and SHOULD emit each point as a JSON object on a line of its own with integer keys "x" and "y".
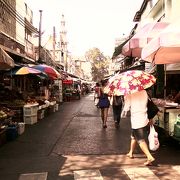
{"x": 167, "y": 88}
{"x": 25, "y": 99}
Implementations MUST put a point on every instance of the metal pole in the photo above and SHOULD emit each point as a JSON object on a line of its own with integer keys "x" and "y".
{"x": 165, "y": 81}
{"x": 40, "y": 22}
{"x": 54, "y": 43}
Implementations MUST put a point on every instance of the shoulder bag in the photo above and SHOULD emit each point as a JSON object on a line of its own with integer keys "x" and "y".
{"x": 152, "y": 109}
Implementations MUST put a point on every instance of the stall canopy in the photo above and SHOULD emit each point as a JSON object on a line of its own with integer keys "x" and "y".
{"x": 118, "y": 49}
{"x": 142, "y": 37}
{"x": 165, "y": 47}
{"x": 6, "y": 62}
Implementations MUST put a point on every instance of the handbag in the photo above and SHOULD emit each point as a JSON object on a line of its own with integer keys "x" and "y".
{"x": 152, "y": 109}
{"x": 153, "y": 139}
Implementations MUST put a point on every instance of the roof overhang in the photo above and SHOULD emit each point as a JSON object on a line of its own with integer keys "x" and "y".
{"x": 6, "y": 62}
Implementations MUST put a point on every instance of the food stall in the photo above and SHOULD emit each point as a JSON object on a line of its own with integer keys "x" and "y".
{"x": 168, "y": 117}
{"x": 164, "y": 91}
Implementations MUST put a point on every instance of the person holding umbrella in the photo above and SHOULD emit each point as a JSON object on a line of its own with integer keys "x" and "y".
{"x": 137, "y": 104}
{"x": 132, "y": 85}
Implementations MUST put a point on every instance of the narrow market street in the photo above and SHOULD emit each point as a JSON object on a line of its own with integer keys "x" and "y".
{"x": 71, "y": 144}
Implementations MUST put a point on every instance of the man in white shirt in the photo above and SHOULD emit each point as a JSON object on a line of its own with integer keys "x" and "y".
{"x": 137, "y": 104}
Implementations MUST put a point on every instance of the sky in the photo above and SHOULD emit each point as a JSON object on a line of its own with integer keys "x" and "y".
{"x": 89, "y": 23}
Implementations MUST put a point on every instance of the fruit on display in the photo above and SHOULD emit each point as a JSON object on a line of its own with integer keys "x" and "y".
{"x": 31, "y": 101}
{"x": 3, "y": 115}
{"x": 6, "y": 112}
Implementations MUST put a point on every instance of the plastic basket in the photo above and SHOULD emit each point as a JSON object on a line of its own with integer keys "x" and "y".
{"x": 30, "y": 119}
{"x": 30, "y": 110}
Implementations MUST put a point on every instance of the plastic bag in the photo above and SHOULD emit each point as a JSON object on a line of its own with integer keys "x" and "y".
{"x": 96, "y": 101}
{"x": 153, "y": 139}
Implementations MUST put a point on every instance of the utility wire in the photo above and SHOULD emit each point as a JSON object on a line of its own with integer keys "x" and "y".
{"x": 17, "y": 15}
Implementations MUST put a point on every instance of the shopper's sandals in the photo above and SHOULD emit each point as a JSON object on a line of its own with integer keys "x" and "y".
{"x": 150, "y": 162}
{"x": 130, "y": 156}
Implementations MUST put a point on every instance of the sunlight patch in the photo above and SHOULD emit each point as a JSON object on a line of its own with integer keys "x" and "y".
{"x": 87, "y": 174}
{"x": 140, "y": 173}
{"x": 33, "y": 176}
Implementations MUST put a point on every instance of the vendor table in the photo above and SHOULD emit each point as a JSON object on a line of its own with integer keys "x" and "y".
{"x": 167, "y": 118}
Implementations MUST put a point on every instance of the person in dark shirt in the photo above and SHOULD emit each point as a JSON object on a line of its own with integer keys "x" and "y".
{"x": 117, "y": 103}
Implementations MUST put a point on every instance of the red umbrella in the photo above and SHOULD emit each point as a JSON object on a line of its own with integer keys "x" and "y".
{"x": 50, "y": 71}
{"x": 144, "y": 35}
{"x": 129, "y": 82}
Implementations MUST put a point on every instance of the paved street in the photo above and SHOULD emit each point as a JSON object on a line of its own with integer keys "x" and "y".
{"x": 71, "y": 144}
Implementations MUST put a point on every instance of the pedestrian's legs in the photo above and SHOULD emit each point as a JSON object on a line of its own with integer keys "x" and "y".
{"x": 145, "y": 149}
{"x": 102, "y": 116}
{"x": 140, "y": 136}
{"x": 105, "y": 116}
{"x": 132, "y": 147}
{"x": 119, "y": 109}
{"x": 116, "y": 115}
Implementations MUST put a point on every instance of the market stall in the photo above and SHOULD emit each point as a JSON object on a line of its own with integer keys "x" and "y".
{"x": 167, "y": 117}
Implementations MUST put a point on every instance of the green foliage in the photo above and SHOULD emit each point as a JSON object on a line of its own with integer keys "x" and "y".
{"x": 99, "y": 63}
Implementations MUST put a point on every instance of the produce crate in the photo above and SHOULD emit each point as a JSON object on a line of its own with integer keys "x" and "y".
{"x": 30, "y": 110}
{"x": 30, "y": 119}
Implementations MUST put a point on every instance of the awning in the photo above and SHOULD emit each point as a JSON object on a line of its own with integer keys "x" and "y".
{"x": 142, "y": 37}
{"x": 6, "y": 62}
{"x": 118, "y": 49}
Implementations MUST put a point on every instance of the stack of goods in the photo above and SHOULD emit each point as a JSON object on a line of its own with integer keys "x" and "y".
{"x": 30, "y": 111}
{"x": 17, "y": 107}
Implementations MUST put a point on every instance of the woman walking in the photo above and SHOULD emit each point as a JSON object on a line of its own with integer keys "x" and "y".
{"x": 104, "y": 104}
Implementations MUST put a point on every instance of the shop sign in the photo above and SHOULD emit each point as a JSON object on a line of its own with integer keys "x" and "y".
{"x": 67, "y": 81}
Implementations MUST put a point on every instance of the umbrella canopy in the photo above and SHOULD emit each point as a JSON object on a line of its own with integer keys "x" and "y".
{"x": 129, "y": 82}
{"x": 165, "y": 48}
{"x": 50, "y": 71}
{"x": 26, "y": 70}
{"x": 145, "y": 34}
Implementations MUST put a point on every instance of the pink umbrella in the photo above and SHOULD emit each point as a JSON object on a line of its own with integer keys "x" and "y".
{"x": 165, "y": 48}
{"x": 145, "y": 34}
{"x": 129, "y": 82}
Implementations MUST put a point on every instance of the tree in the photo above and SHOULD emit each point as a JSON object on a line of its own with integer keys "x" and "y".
{"x": 99, "y": 63}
